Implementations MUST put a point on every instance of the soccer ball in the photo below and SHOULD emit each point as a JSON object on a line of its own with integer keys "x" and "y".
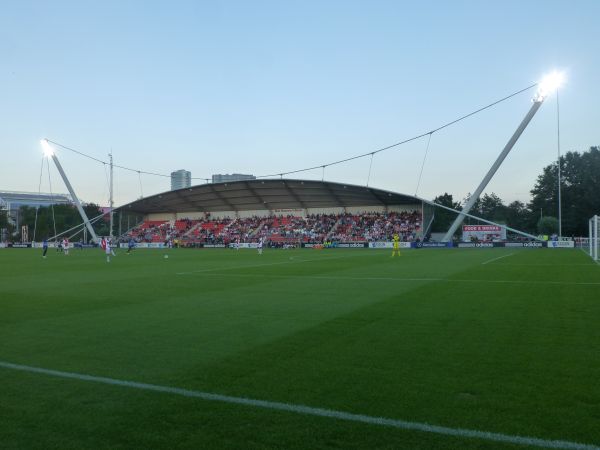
{"x": 166, "y": 256}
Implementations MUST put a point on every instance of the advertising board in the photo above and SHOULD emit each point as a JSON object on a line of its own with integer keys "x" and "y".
{"x": 475, "y": 245}
{"x": 432, "y": 244}
{"x": 244, "y": 245}
{"x": 145, "y": 245}
{"x": 561, "y": 244}
{"x": 532, "y": 244}
{"x": 383, "y": 244}
{"x": 483, "y": 232}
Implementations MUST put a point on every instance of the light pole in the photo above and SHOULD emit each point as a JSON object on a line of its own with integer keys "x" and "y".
{"x": 111, "y": 195}
{"x": 49, "y": 152}
{"x": 559, "y": 181}
{"x": 549, "y": 84}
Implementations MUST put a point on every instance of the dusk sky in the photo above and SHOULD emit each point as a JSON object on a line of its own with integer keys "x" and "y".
{"x": 266, "y": 87}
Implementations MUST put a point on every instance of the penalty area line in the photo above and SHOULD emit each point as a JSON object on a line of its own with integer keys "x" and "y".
{"x": 409, "y": 280}
{"x": 496, "y": 259}
{"x": 311, "y": 411}
{"x": 593, "y": 260}
{"x": 292, "y": 260}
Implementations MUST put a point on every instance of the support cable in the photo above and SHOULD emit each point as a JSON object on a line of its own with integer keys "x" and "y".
{"x": 107, "y": 183}
{"x": 370, "y": 165}
{"x": 281, "y": 174}
{"x": 58, "y": 144}
{"x": 51, "y": 198}
{"x": 414, "y": 138}
{"x": 423, "y": 163}
{"x": 141, "y": 189}
{"x": 38, "y": 206}
{"x": 91, "y": 221}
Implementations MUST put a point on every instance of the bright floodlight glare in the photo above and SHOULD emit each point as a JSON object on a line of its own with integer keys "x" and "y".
{"x": 551, "y": 83}
{"x": 48, "y": 151}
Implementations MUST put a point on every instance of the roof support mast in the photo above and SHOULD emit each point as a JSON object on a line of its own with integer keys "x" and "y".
{"x": 111, "y": 196}
{"x": 48, "y": 151}
{"x": 550, "y": 83}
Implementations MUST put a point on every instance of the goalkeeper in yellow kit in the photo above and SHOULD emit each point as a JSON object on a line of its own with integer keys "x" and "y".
{"x": 396, "y": 250}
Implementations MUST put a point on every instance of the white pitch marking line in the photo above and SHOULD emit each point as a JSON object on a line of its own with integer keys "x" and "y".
{"x": 291, "y": 261}
{"x": 543, "y": 265}
{"x": 593, "y": 260}
{"x": 447, "y": 280}
{"x": 312, "y": 411}
{"x": 496, "y": 259}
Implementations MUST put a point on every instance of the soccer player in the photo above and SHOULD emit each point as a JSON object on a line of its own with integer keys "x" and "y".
{"x": 44, "y": 248}
{"x": 108, "y": 250}
{"x": 106, "y": 245}
{"x": 260, "y": 245}
{"x": 66, "y": 246}
{"x": 396, "y": 249}
{"x": 130, "y": 245}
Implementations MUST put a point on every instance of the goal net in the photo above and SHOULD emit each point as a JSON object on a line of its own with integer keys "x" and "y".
{"x": 594, "y": 239}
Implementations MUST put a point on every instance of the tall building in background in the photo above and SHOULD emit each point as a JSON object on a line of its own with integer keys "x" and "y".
{"x": 181, "y": 179}
{"x": 224, "y": 178}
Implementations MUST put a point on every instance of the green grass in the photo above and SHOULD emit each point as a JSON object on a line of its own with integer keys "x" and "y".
{"x": 511, "y": 346}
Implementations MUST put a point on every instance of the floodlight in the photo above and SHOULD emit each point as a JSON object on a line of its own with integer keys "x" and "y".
{"x": 49, "y": 153}
{"x": 550, "y": 83}
{"x": 48, "y": 150}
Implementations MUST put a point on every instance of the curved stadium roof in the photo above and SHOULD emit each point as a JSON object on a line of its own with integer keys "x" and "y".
{"x": 266, "y": 194}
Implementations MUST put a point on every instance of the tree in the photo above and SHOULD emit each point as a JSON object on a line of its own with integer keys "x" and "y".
{"x": 547, "y": 225}
{"x": 443, "y": 217}
{"x": 6, "y": 227}
{"x": 517, "y": 216}
{"x": 580, "y": 184}
{"x": 55, "y": 220}
{"x": 490, "y": 207}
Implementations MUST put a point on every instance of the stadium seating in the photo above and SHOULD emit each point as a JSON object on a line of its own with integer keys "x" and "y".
{"x": 281, "y": 230}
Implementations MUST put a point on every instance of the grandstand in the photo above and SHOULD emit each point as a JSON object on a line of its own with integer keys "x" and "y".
{"x": 279, "y": 211}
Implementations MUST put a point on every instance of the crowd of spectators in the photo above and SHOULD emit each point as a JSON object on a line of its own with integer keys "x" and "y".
{"x": 282, "y": 230}
{"x": 161, "y": 231}
{"x": 377, "y": 227}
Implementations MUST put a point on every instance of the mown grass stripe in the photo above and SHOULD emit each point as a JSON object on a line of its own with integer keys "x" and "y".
{"x": 416, "y": 280}
{"x": 313, "y": 411}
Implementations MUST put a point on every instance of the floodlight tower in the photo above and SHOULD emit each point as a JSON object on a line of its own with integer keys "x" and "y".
{"x": 111, "y": 195}
{"x": 549, "y": 84}
{"x": 49, "y": 152}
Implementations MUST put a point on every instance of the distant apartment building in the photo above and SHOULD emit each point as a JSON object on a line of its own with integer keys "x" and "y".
{"x": 225, "y": 178}
{"x": 180, "y": 179}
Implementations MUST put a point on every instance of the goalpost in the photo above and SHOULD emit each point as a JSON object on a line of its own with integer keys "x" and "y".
{"x": 594, "y": 241}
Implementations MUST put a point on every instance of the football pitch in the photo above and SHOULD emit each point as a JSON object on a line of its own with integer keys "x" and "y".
{"x": 298, "y": 349}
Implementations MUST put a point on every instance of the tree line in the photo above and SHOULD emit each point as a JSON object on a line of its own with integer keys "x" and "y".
{"x": 48, "y": 221}
{"x": 580, "y": 199}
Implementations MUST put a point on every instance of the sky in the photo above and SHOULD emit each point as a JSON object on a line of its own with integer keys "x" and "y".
{"x": 268, "y": 86}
